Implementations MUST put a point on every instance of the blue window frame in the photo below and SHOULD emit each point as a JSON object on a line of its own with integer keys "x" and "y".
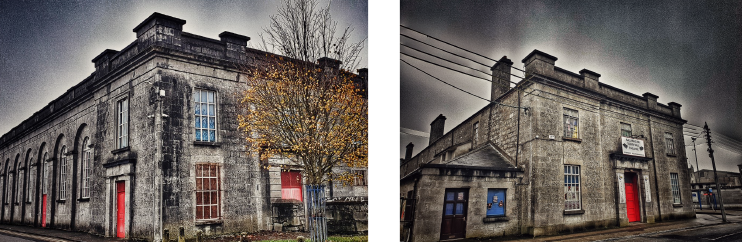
{"x": 496, "y": 202}
{"x": 205, "y": 115}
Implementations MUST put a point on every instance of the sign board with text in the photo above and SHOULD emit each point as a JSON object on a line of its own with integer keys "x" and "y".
{"x": 634, "y": 147}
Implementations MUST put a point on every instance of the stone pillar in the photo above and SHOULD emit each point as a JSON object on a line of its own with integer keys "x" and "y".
{"x": 651, "y": 100}
{"x": 675, "y": 109}
{"x": 159, "y": 29}
{"x": 235, "y": 46}
{"x": 590, "y": 79}
{"x": 408, "y": 152}
{"x": 538, "y": 62}
{"x": 500, "y": 77}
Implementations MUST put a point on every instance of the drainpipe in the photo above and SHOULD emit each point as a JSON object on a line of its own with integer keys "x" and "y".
{"x": 654, "y": 165}
{"x": 156, "y": 183}
{"x": 414, "y": 212}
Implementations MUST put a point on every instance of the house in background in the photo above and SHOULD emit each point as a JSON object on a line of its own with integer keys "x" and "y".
{"x": 703, "y": 186}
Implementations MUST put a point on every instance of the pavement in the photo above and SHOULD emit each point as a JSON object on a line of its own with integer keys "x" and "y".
{"x": 705, "y": 220}
{"x": 45, "y": 234}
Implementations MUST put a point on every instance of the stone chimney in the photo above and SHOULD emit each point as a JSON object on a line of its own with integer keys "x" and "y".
{"x": 159, "y": 29}
{"x": 330, "y": 63}
{"x": 436, "y": 128}
{"x": 591, "y": 79}
{"x": 102, "y": 61}
{"x": 651, "y": 100}
{"x": 675, "y": 109}
{"x": 540, "y": 63}
{"x": 235, "y": 45}
{"x": 500, "y": 78}
{"x": 408, "y": 152}
{"x": 363, "y": 73}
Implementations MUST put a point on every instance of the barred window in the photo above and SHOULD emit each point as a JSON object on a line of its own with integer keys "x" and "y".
{"x": 476, "y": 133}
{"x": 675, "y": 188}
{"x": 205, "y": 114}
{"x": 208, "y": 192}
{"x": 669, "y": 144}
{"x": 123, "y": 123}
{"x": 571, "y": 122}
{"x": 86, "y": 163}
{"x": 360, "y": 178}
{"x": 625, "y": 130}
{"x": 63, "y": 174}
{"x": 572, "y": 188}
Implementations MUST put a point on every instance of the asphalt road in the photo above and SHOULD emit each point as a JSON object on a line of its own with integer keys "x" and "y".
{"x": 7, "y": 238}
{"x": 722, "y": 232}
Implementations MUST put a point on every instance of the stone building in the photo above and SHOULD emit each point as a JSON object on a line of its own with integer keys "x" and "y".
{"x": 147, "y": 146}
{"x": 560, "y": 151}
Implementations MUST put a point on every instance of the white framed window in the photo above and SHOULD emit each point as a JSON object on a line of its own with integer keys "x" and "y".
{"x": 205, "y": 115}
{"x": 63, "y": 174}
{"x": 675, "y": 188}
{"x": 625, "y": 130}
{"x": 572, "y": 199}
{"x": 122, "y": 128}
{"x": 85, "y": 170}
{"x": 571, "y": 123}
{"x": 669, "y": 144}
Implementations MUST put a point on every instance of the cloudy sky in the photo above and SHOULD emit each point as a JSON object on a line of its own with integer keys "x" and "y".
{"x": 46, "y": 47}
{"x": 689, "y": 53}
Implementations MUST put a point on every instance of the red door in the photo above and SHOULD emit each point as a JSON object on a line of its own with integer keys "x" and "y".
{"x": 454, "y": 214}
{"x": 43, "y": 210}
{"x": 632, "y": 200}
{"x": 120, "y": 209}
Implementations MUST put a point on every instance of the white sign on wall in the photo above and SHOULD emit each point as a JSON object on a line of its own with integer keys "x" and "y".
{"x": 621, "y": 188}
{"x": 633, "y": 147}
{"x": 647, "y": 194}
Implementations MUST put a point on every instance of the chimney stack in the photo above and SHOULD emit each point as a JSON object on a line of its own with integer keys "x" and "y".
{"x": 436, "y": 128}
{"x": 500, "y": 77}
{"x": 408, "y": 152}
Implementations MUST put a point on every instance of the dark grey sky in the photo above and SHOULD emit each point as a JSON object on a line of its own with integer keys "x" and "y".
{"x": 688, "y": 52}
{"x": 46, "y": 47}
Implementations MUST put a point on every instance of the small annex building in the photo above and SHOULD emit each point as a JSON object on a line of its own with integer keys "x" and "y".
{"x": 148, "y": 148}
{"x": 560, "y": 151}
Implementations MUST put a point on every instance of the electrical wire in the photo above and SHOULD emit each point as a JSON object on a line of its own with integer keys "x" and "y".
{"x": 438, "y": 48}
{"x": 458, "y": 87}
{"x": 408, "y": 55}
{"x": 426, "y": 35}
{"x": 441, "y": 58}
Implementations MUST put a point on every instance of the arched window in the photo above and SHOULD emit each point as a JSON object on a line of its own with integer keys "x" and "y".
{"x": 31, "y": 180}
{"x": 45, "y": 171}
{"x": 86, "y": 163}
{"x": 19, "y": 185}
{"x": 63, "y": 174}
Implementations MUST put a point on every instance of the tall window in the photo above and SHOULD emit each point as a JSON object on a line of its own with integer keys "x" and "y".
{"x": 45, "y": 176}
{"x": 86, "y": 163}
{"x": 571, "y": 121}
{"x": 19, "y": 186}
{"x": 208, "y": 191}
{"x": 476, "y": 133}
{"x": 572, "y": 188}
{"x": 625, "y": 130}
{"x": 359, "y": 178}
{"x": 291, "y": 185}
{"x": 675, "y": 188}
{"x": 63, "y": 174}
{"x": 669, "y": 144}
{"x": 30, "y": 183}
{"x": 123, "y": 123}
{"x": 205, "y": 113}
{"x": 8, "y": 194}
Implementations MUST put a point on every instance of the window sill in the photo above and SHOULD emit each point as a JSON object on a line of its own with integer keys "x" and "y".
{"x": 570, "y": 212}
{"x": 207, "y": 143}
{"x": 208, "y": 222}
{"x": 15, "y": 203}
{"x": 671, "y": 155}
{"x": 677, "y": 205}
{"x": 28, "y": 202}
{"x": 572, "y": 139}
{"x": 495, "y": 219}
{"x": 61, "y": 201}
{"x": 85, "y": 199}
{"x": 116, "y": 151}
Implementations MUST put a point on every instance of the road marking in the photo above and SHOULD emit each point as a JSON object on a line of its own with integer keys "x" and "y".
{"x": 724, "y": 236}
{"x": 31, "y": 236}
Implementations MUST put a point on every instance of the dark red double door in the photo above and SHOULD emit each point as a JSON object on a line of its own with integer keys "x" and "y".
{"x": 633, "y": 212}
{"x": 454, "y": 214}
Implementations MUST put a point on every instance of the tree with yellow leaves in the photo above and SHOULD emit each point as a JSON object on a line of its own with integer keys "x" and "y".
{"x": 313, "y": 116}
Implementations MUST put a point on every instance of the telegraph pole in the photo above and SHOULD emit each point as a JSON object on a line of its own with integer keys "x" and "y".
{"x": 716, "y": 178}
{"x": 696, "y": 154}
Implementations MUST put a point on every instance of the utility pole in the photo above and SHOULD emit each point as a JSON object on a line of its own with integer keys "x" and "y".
{"x": 696, "y": 154}
{"x": 716, "y": 178}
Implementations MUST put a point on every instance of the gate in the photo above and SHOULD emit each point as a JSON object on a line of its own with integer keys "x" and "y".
{"x": 316, "y": 220}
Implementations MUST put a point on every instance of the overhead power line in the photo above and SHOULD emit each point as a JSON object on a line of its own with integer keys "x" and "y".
{"x": 429, "y": 62}
{"x": 438, "y": 48}
{"x": 426, "y": 35}
{"x": 441, "y": 58}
